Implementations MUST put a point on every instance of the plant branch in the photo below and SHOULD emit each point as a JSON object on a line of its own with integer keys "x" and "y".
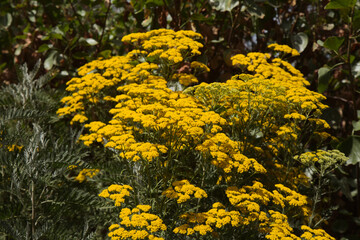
{"x": 103, "y": 30}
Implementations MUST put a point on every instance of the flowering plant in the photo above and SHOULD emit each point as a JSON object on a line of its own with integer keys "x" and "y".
{"x": 210, "y": 160}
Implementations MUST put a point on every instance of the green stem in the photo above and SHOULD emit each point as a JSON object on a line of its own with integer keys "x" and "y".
{"x": 358, "y": 188}
{"x": 103, "y": 30}
{"x": 32, "y": 209}
{"x": 316, "y": 200}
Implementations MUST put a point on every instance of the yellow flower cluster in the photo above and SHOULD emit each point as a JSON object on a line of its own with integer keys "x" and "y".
{"x": 137, "y": 223}
{"x": 199, "y": 67}
{"x": 185, "y": 79}
{"x": 237, "y": 131}
{"x": 207, "y": 222}
{"x": 98, "y": 77}
{"x": 183, "y": 191}
{"x": 84, "y": 173}
{"x": 226, "y": 155}
{"x": 249, "y": 199}
{"x": 152, "y": 108}
{"x": 314, "y": 234}
{"x": 218, "y": 217}
{"x": 325, "y": 158}
{"x": 292, "y": 198}
{"x": 270, "y": 108}
{"x": 278, "y": 228}
{"x": 117, "y": 193}
{"x": 263, "y": 66}
{"x": 284, "y": 48}
{"x": 14, "y": 147}
{"x": 185, "y": 229}
{"x": 166, "y": 44}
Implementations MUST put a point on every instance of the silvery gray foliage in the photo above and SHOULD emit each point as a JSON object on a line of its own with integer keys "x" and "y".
{"x": 38, "y": 199}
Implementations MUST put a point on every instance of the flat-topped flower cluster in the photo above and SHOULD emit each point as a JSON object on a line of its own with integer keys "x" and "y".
{"x": 210, "y": 160}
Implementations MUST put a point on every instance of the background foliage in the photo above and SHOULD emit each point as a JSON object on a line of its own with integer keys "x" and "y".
{"x": 67, "y": 34}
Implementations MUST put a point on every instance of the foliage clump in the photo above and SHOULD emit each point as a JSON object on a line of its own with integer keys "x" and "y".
{"x": 210, "y": 160}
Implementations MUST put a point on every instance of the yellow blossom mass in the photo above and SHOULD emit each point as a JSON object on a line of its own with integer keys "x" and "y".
{"x": 177, "y": 138}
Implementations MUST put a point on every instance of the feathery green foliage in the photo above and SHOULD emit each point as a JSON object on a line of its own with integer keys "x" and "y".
{"x": 38, "y": 197}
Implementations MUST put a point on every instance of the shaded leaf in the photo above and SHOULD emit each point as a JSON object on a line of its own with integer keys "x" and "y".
{"x": 333, "y": 43}
{"x": 146, "y": 22}
{"x": 43, "y": 48}
{"x": 105, "y": 53}
{"x": 356, "y": 125}
{"x": 91, "y": 41}
{"x": 50, "y": 60}
{"x": 254, "y": 10}
{"x": 340, "y": 4}
{"x": 356, "y": 69}
{"x": 324, "y": 75}
{"x": 351, "y": 147}
{"x": 5, "y": 21}
{"x": 300, "y": 41}
{"x": 224, "y": 5}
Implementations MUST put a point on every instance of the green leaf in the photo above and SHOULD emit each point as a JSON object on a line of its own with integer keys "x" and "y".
{"x": 5, "y": 21}
{"x": 56, "y": 36}
{"x": 356, "y": 125}
{"x": 200, "y": 17}
{"x": 340, "y": 4}
{"x": 321, "y": 43}
{"x": 356, "y": 20}
{"x": 333, "y": 43}
{"x": 224, "y": 5}
{"x": 50, "y": 60}
{"x": 154, "y": 3}
{"x": 324, "y": 75}
{"x": 43, "y": 48}
{"x": 254, "y": 10}
{"x": 80, "y": 55}
{"x": 352, "y": 58}
{"x": 345, "y": 189}
{"x": 146, "y": 22}
{"x": 91, "y": 41}
{"x": 2, "y": 66}
{"x": 18, "y": 50}
{"x": 356, "y": 69}
{"x": 300, "y": 41}
{"x": 105, "y": 53}
{"x": 81, "y": 12}
{"x": 351, "y": 147}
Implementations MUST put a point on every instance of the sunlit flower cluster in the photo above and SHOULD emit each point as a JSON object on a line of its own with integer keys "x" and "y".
{"x": 117, "y": 193}
{"x": 137, "y": 223}
{"x": 159, "y": 48}
{"x": 316, "y": 234}
{"x": 208, "y": 222}
{"x": 185, "y": 79}
{"x": 234, "y": 139}
{"x": 153, "y": 108}
{"x": 277, "y": 227}
{"x": 284, "y": 48}
{"x": 226, "y": 155}
{"x": 183, "y": 191}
